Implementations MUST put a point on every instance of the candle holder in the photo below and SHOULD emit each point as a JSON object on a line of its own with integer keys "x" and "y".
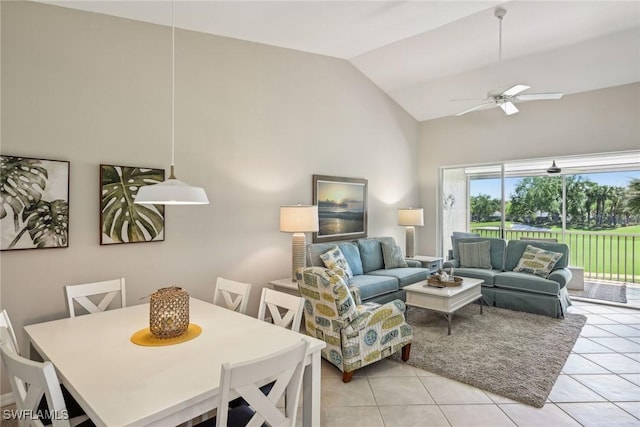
{"x": 169, "y": 312}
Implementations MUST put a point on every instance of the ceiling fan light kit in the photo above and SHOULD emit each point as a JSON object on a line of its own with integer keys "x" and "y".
{"x": 554, "y": 169}
{"x": 506, "y": 99}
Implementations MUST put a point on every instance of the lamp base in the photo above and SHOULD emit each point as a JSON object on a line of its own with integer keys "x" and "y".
{"x": 409, "y": 241}
{"x": 299, "y": 254}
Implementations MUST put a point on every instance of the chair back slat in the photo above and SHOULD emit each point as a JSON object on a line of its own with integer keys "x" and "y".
{"x": 284, "y": 321}
{"x": 231, "y": 302}
{"x": 80, "y": 294}
{"x": 232, "y": 295}
{"x": 274, "y": 302}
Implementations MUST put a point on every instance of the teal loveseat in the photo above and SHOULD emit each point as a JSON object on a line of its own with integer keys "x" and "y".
{"x": 373, "y": 278}
{"x": 503, "y": 287}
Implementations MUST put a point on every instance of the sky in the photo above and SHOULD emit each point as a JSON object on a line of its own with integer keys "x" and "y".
{"x": 339, "y": 192}
{"x": 492, "y": 186}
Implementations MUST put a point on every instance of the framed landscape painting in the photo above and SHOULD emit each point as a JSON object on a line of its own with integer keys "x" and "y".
{"x": 121, "y": 220}
{"x": 34, "y": 203}
{"x": 342, "y": 208}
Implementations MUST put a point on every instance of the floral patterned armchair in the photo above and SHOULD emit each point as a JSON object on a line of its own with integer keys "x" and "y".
{"x": 356, "y": 335}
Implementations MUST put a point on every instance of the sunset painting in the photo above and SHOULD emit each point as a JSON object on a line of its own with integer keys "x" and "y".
{"x": 342, "y": 208}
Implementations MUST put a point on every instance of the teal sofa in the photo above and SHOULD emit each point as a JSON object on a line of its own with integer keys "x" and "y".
{"x": 371, "y": 279}
{"x": 514, "y": 290}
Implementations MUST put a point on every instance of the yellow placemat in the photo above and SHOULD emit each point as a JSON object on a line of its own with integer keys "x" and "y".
{"x": 146, "y": 338}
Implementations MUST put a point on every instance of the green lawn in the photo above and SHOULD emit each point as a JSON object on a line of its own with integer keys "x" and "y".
{"x": 609, "y": 254}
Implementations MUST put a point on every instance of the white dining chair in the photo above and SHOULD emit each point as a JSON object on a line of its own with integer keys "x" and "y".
{"x": 30, "y": 382}
{"x": 284, "y": 309}
{"x": 245, "y": 378}
{"x": 232, "y": 295}
{"x": 5, "y": 322}
{"x": 108, "y": 289}
{"x": 9, "y": 337}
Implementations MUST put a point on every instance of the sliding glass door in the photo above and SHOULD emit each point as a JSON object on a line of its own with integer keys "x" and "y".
{"x": 588, "y": 204}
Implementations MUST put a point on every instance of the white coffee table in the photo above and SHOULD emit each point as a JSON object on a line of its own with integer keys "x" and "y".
{"x": 444, "y": 300}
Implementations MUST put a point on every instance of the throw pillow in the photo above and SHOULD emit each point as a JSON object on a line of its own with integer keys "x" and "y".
{"x": 392, "y": 255}
{"x": 537, "y": 261}
{"x": 334, "y": 259}
{"x": 475, "y": 255}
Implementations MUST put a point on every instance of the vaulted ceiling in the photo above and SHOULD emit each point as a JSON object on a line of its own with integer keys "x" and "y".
{"x": 426, "y": 54}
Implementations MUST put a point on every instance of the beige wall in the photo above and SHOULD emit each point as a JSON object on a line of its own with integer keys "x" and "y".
{"x": 253, "y": 124}
{"x": 605, "y": 120}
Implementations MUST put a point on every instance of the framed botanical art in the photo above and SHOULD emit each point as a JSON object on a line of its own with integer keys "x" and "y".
{"x": 342, "y": 208}
{"x": 122, "y": 221}
{"x": 34, "y": 203}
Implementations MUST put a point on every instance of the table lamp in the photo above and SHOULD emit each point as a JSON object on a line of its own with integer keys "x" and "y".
{"x": 410, "y": 218}
{"x": 298, "y": 219}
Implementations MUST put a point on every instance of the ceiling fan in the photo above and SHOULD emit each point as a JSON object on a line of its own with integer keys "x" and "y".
{"x": 554, "y": 169}
{"x": 505, "y": 99}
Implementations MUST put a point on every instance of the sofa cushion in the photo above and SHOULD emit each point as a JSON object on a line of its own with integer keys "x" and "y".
{"x": 349, "y": 250}
{"x": 526, "y": 282}
{"x": 371, "y": 253}
{"x": 334, "y": 259}
{"x": 392, "y": 255}
{"x": 405, "y": 276}
{"x": 352, "y": 254}
{"x": 497, "y": 249}
{"x": 475, "y": 255}
{"x": 371, "y": 286}
{"x": 478, "y": 273}
{"x": 537, "y": 261}
{"x": 515, "y": 249}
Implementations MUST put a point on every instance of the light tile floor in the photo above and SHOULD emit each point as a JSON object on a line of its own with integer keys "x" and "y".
{"x": 599, "y": 386}
{"x": 633, "y": 295}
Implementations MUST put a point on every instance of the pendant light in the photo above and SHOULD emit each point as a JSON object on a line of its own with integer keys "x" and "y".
{"x": 172, "y": 191}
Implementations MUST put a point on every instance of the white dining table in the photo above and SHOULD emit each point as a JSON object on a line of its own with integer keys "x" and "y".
{"x": 119, "y": 383}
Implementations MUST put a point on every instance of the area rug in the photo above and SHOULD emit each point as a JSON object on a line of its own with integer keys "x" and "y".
{"x": 602, "y": 291}
{"x": 514, "y": 354}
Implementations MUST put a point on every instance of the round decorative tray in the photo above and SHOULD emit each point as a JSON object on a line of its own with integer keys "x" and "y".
{"x": 435, "y": 281}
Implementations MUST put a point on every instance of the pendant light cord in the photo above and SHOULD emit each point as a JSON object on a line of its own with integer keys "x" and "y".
{"x": 500, "y": 55}
{"x": 173, "y": 87}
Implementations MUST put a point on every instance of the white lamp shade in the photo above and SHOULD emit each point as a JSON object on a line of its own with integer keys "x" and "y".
{"x": 298, "y": 218}
{"x": 171, "y": 192}
{"x": 410, "y": 217}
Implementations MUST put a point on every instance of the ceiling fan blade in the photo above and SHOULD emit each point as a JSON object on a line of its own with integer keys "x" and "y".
{"x": 539, "y": 96}
{"x": 514, "y": 90}
{"x": 470, "y": 99}
{"x": 508, "y": 108}
{"x": 477, "y": 107}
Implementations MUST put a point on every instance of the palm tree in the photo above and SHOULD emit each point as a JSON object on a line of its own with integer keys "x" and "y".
{"x": 602, "y": 195}
{"x": 616, "y": 201}
{"x": 590, "y": 190}
{"x": 633, "y": 196}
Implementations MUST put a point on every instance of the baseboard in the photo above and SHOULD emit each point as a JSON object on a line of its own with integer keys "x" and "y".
{"x": 6, "y": 399}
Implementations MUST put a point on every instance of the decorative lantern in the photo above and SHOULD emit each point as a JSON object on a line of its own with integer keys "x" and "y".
{"x": 169, "y": 312}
